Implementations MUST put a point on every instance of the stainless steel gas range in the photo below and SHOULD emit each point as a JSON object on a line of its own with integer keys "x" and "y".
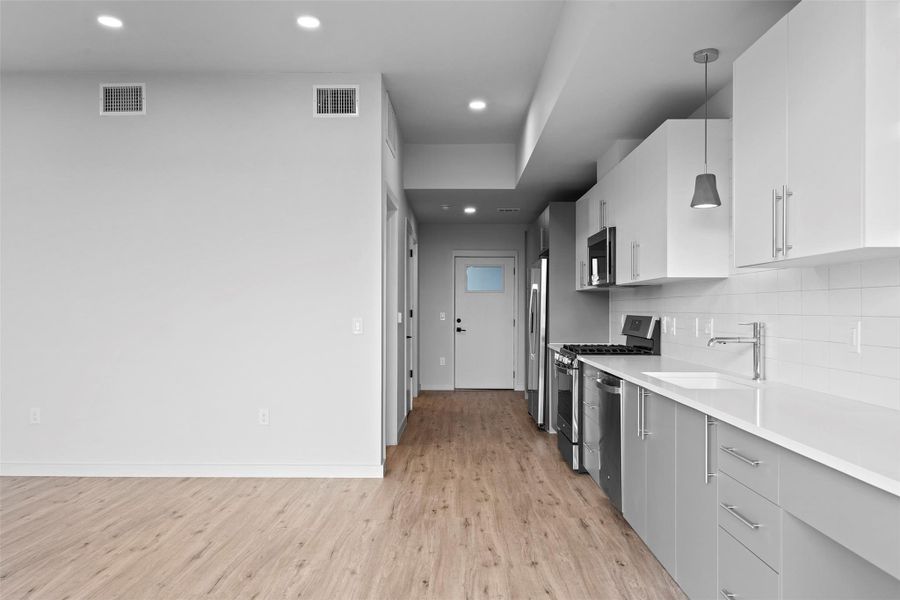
{"x": 584, "y": 395}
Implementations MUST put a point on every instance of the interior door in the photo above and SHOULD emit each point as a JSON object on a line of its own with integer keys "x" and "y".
{"x": 483, "y": 322}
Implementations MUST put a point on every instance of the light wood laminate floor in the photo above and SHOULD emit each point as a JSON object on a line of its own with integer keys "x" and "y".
{"x": 475, "y": 503}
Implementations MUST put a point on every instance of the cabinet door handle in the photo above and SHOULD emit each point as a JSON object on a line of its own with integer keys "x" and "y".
{"x": 734, "y": 513}
{"x": 739, "y": 456}
{"x": 785, "y": 194}
{"x": 640, "y": 419}
{"x": 774, "y": 221}
{"x": 706, "y": 472}
{"x": 637, "y": 260}
{"x": 726, "y": 594}
{"x": 632, "y": 261}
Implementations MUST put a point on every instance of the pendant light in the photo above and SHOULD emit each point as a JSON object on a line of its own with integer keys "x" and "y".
{"x": 705, "y": 193}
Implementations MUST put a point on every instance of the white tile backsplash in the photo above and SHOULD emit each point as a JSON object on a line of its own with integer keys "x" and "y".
{"x": 835, "y": 329}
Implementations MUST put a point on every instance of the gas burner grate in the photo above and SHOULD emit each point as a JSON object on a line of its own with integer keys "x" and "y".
{"x": 587, "y": 349}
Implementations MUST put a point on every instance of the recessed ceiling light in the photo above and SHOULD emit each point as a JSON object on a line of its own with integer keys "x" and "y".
{"x": 477, "y": 105}
{"x": 469, "y": 210}
{"x": 308, "y": 22}
{"x": 109, "y": 21}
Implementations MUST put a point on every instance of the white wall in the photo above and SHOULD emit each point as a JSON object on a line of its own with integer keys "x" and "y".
{"x": 166, "y": 276}
{"x": 720, "y": 104}
{"x": 459, "y": 166}
{"x": 436, "y": 245}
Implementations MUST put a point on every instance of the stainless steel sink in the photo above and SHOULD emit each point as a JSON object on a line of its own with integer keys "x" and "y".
{"x": 704, "y": 380}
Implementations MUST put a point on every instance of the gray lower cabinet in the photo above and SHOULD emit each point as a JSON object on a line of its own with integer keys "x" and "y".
{"x": 648, "y": 471}
{"x": 815, "y": 566}
{"x": 769, "y": 524}
{"x": 659, "y": 436}
{"x": 695, "y": 504}
{"x": 634, "y": 461}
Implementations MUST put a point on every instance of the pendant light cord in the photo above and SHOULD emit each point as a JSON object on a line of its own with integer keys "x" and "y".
{"x": 705, "y": 111}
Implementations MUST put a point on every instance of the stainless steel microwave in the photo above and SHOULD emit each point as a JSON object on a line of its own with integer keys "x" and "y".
{"x": 602, "y": 258}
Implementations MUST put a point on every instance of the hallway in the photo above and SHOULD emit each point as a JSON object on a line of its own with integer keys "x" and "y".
{"x": 475, "y": 503}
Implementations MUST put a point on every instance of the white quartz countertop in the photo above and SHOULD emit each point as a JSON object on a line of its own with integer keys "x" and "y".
{"x": 855, "y": 438}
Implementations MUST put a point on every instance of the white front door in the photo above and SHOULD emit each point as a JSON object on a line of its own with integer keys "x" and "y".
{"x": 483, "y": 323}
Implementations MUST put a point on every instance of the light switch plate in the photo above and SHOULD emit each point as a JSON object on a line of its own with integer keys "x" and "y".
{"x": 357, "y": 326}
{"x": 34, "y": 416}
{"x": 443, "y": 362}
{"x": 399, "y": 317}
{"x": 443, "y": 316}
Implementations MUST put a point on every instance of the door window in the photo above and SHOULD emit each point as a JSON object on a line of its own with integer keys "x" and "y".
{"x": 484, "y": 278}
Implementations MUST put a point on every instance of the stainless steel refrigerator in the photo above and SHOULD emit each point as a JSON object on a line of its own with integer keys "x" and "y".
{"x": 538, "y": 398}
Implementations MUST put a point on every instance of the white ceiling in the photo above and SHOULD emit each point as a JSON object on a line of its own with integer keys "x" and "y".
{"x": 635, "y": 71}
{"x": 435, "y": 56}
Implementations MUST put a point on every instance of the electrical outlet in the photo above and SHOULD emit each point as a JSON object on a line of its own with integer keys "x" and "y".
{"x": 34, "y": 416}
{"x": 443, "y": 316}
{"x": 664, "y": 325}
{"x": 856, "y": 338}
{"x": 357, "y": 326}
{"x": 399, "y": 318}
{"x": 264, "y": 416}
{"x": 708, "y": 327}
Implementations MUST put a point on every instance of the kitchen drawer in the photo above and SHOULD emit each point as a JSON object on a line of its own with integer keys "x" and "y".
{"x": 742, "y": 575}
{"x": 751, "y": 460}
{"x": 751, "y": 519}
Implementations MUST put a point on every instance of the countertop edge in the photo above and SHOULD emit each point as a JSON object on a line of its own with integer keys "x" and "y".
{"x": 875, "y": 479}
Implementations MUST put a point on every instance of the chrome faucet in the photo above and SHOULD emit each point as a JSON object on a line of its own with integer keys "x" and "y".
{"x": 758, "y": 350}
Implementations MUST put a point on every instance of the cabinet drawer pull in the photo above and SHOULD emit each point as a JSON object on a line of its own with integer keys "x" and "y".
{"x": 731, "y": 510}
{"x": 739, "y": 456}
{"x": 726, "y": 594}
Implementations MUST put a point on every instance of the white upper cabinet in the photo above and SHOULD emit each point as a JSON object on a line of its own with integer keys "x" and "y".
{"x": 582, "y": 232}
{"x": 816, "y": 145}
{"x": 760, "y": 145}
{"x": 659, "y": 236}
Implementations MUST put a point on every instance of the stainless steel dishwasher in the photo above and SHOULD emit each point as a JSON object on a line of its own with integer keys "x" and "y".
{"x": 602, "y": 394}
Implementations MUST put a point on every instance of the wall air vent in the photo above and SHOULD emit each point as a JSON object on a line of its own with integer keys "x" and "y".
{"x": 508, "y": 210}
{"x": 123, "y": 99}
{"x": 337, "y": 101}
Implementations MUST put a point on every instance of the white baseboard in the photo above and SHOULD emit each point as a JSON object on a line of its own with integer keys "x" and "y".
{"x": 402, "y": 429}
{"x": 14, "y": 469}
{"x": 437, "y": 387}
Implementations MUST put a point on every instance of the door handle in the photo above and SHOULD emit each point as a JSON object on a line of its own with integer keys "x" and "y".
{"x": 409, "y": 337}
{"x": 459, "y": 329}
